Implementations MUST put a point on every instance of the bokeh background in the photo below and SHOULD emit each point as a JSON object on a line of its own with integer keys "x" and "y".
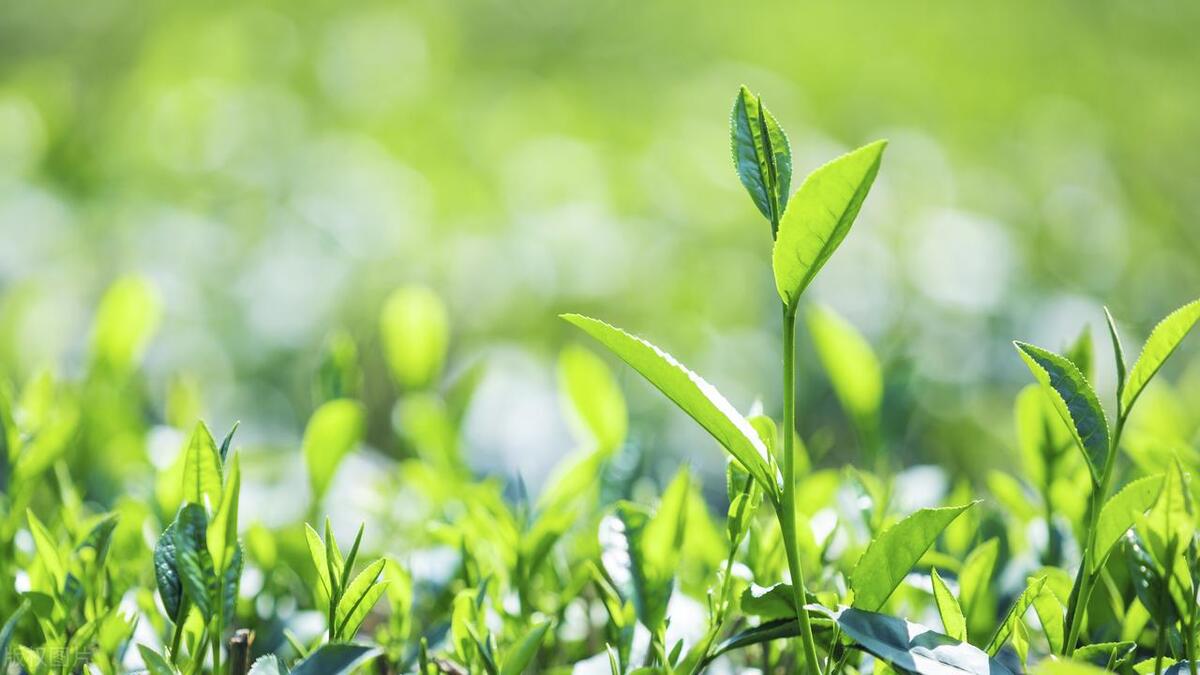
{"x": 277, "y": 169}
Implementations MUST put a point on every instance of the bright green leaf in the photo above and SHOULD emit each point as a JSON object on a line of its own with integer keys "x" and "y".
{"x": 1163, "y": 341}
{"x": 595, "y": 398}
{"x": 850, "y": 362}
{"x": 691, "y": 393}
{"x": 354, "y": 601}
{"x": 127, "y": 318}
{"x": 223, "y": 530}
{"x": 332, "y": 432}
{"x": 892, "y": 554}
{"x": 1009, "y": 626}
{"x": 951, "y": 614}
{"x": 415, "y": 331}
{"x": 202, "y": 469}
{"x": 1120, "y": 512}
{"x": 819, "y": 216}
{"x": 521, "y": 654}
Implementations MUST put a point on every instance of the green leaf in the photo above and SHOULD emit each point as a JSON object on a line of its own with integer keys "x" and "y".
{"x": 7, "y": 631}
{"x": 222, "y": 531}
{"x": 623, "y": 544}
{"x": 691, "y": 393}
{"x": 976, "y": 575}
{"x": 1163, "y": 341}
{"x": 1016, "y": 612}
{"x": 47, "y": 551}
{"x": 335, "y": 659}
{"x": 762, "y": 156}
{"x": 1051, "y": 615}
{"x": 166, "y": 572}
{"x": 359, "y": 597}
{"x": 196, "y": 573}
{"x": 891, "y": 555}
{"x": 819, "y": 216}
{"x": 595, "y": 398}
{"x": 202, "y": 469}
{"x": 951, "y": 614}
{"x": 910, "y": 646}
{"x": 1148, "y": 584}
{"x": 332, "y": 432}
{"x": 850, "y": 362}
{"x": 521, "y": 654}
{"x": 1074, "y": 400}
{"x": 268, "y": 664}
{"x": 127, "y": 318}
{"x": 230, "y": 580}
{"x": 316, "y": 550}
{"x": 155, "y": 663}
{"x": 415, "y": 331}
{"x": 1120, "y": 512}
{"x": 767, "y": 631}
{"x": 1118, "y": 351}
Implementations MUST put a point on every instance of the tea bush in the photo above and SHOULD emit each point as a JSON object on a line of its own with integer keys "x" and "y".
{"x": 113, "y": 559}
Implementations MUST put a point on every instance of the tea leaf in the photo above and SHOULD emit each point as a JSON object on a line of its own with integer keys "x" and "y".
{"x": 316, "y": 550}
{"x": 47, "y": 551}
{"x": 195, "y": 565}
{"x": 1050, "y": 611}
{"x": 1163, "y": 341}
{"x": 335, "y": 659}
{"x": 623, "y": 554}
{"x": 231, "y": 579}
{"x": 1118, "y": 351}
{"x": 1120, "y": 512}
{"x": 691, "y": 393}
{"x": 1015, "y": 615}
{"x": 222, "y": 531}
{"x": 819, "y": 216}
{"x": 891, "y": 555}
{"x": 415, "y": 333}
{"x": 595, "y": 398}
{"x": 166, "y": 572}
{"x": 522, "y": 653}
{"x": 267, "y": 665}
{"x": 362, "y": 593}
{"x": 127, "y": 318}
{"x": 1074, "y": 400}
{"x": 951, "y": 614}
{"x": 976, "y": 575}
{"x": 332, "y": 432}
{"x": 850, "y": 362}
{"x": 762, "y": 156}
{"x": 202, "y": 469}
{"x": 155, "y": 663}
{"x": 911, "y": 646}
{"x": 7, "y": 631}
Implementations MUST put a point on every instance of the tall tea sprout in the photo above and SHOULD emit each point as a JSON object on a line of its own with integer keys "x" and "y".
{"x": 807, "y": 228}
{"x": 1077, "y": 404}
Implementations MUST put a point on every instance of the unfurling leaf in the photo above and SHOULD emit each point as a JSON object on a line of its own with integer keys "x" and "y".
{"x": 691, "y": 393}
{"x": 202, "y": 469}
{"x": 819, "y": 216}
{"x": 762, "y": 156}
{"x": 951, "y": 614}
{"x": 196, "y": 573}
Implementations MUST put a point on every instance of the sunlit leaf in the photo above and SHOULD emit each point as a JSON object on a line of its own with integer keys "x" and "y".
{"x": 359, "y": 597}
{"x": 202, "y": 469}
{"x": 595, "y": 398}
{"x": 1009, "y": 625}
{"x": 1120, "y": 512}
{"x": 521, "y": 654}
{"x": 1163, "y": 341}
{"x": 819, "y": 216}
{"x": 127, "y": 318}
{"x": 155, "y": 663}
{"x": 415, "y": 331}
{"x": 850, "y": 362}
{"x": 223, "y": 530}
{"x": 951, "y": 614}
{"x": 691, "y": 393}
{"x": 892, "y": 554}
{"x": 47, "y": 551}
{"x": 332, "y": 432}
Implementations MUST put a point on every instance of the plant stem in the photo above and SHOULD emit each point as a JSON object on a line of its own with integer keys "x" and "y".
{"x": 1086, "y": 578}
{"x": 787, "y": 515}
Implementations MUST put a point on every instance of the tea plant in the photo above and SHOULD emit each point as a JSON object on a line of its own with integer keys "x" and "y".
{"x": 113, "y": 558}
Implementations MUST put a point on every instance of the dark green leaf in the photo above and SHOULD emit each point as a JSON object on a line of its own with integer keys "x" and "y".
{"x": 762, "y": 156}
{"x": 1074, "y": 400}
{"x": 335, "y": 659}
{"x": 166, "y": 572}
{"x": 196, "y": 572}
{"x": 6, "y": 632}
{"x": 911, "y": 646}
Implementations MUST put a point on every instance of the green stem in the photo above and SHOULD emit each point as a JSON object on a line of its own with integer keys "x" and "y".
{"x": 787, "y": 509}
{"x": 177, "y": 637}
{"x": 1086, "y": 578}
